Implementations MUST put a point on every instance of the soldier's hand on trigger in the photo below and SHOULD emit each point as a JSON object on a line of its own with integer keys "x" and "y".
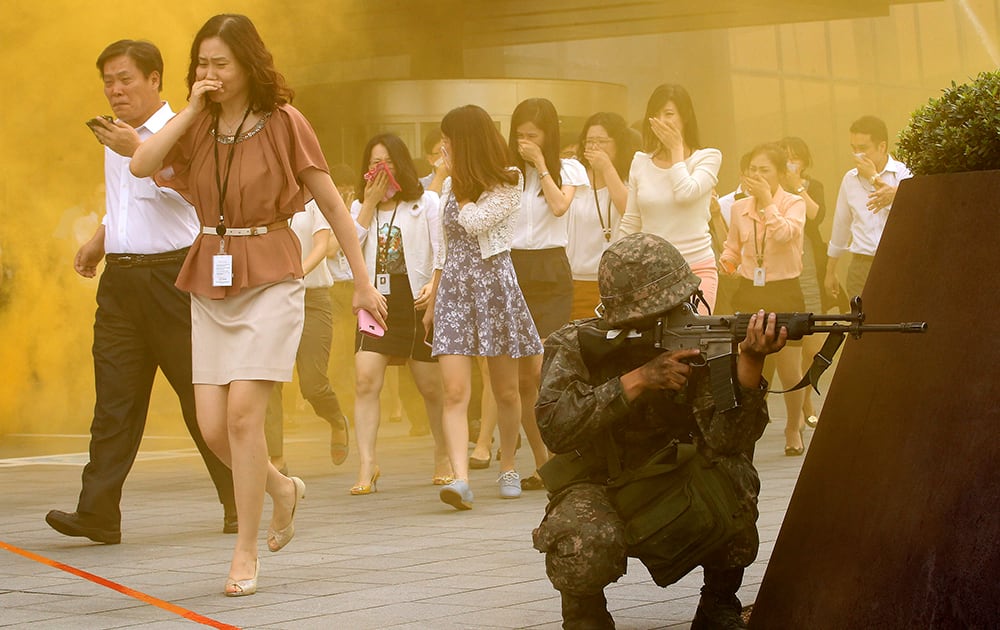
{"x": 668, "y": 370}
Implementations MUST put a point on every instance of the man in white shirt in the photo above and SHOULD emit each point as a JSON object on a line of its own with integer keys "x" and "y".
{"x": 726, "y": 201}
{"x": 143, "y": 321}
{"x": 863, "y": 204}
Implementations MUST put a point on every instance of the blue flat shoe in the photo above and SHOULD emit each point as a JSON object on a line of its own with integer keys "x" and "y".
{"x": 457, "y": 494}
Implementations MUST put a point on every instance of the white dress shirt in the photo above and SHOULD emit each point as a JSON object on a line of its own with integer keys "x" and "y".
{"x": 857, "y": 229}
{"x": 141, "y": 217}
{"x": 305, "y": 224}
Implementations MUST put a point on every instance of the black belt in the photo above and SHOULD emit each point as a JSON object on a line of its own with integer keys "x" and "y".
{"x": 146, "y": 260}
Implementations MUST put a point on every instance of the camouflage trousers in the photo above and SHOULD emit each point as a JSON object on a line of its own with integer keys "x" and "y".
{"x": 583, "y": 539}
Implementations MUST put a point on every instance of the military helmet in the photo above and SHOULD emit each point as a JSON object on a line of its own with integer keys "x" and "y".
{"x": 642, "y": 275}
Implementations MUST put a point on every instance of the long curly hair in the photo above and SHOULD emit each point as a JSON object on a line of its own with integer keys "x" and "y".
{"x": 267, "y": 86}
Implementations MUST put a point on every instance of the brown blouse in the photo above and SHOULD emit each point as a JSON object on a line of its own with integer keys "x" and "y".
{"x": 264, "y": 188}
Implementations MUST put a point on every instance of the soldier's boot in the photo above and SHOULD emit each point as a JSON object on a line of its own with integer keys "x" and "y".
{"x": 719, "y": 608}
{"x": 586, "y": 612}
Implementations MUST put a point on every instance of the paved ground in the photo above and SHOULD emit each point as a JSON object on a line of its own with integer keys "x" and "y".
{"x": 398, "y": 559}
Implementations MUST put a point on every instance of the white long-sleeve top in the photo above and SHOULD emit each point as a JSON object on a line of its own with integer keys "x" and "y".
{"x": 673, "y": 202}
{"x": 586, "y": 236}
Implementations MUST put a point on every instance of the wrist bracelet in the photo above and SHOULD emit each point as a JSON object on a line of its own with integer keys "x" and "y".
{"x": 542, "y": 175}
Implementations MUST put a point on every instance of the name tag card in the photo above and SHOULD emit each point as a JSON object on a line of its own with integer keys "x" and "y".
{"x": 222, "y": 270}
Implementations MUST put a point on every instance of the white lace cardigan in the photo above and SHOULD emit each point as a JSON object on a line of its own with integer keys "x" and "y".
{"x": 491, "y": 218}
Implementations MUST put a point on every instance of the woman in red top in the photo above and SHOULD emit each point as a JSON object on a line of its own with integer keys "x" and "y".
{"x": 247, "y": 160}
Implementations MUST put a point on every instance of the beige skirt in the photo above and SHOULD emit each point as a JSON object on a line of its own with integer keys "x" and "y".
{"x": 252, "y": 336}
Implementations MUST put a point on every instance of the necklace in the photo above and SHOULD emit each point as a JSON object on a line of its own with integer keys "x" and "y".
{"x": 229, "y": 129}
{"x": 605, "y": 227}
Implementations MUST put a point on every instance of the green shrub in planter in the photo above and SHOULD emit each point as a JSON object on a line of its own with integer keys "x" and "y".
{"x": 957, "y": 132}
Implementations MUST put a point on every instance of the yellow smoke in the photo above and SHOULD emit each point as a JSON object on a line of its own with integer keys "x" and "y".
{"x": 51, "y": 171}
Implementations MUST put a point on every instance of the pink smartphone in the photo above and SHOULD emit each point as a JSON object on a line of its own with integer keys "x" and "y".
{"x": 368, "y": 326}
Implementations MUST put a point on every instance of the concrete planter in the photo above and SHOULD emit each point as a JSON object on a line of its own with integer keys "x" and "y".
{"x": 895, "y": 520}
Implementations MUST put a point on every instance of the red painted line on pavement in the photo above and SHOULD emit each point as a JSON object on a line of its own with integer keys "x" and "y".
{"x": 96, "y": 579}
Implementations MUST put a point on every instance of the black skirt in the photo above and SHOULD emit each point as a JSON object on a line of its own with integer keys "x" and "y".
{"x": 546, "y": 282}
{"x": 405, "y": 337}
{"x": 777, "y": 296}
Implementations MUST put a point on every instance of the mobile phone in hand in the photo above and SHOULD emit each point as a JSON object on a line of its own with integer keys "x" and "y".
{"x": 95, "y": 122}
{"x": 368, "y": 326}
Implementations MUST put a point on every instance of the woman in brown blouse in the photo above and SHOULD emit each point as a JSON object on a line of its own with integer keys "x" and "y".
{"x": 247, "y": 160}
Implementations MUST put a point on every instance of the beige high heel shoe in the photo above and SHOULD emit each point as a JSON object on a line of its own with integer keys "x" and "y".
{"x": 243, "y": 587}
{"x": 278, "y": 538}
{"x": 371, "y": 488}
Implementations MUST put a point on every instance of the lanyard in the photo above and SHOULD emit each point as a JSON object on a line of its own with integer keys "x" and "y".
{"x": 222, "y": 181}
{"x": 759, "y": 254}
{"x": 605, "y": 228}
{"x": 383, "y": 254}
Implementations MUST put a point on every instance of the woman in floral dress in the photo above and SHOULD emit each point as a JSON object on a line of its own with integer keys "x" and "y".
{"x": 478, "y": 309}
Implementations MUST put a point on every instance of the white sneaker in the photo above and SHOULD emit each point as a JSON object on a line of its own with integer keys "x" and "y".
{"x": 510, "y": 485}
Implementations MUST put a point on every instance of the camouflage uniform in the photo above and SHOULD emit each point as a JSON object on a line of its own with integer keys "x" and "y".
{"x": 581, "y": 534}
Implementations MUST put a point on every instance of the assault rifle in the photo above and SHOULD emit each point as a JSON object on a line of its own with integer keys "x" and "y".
{"x": 718, "y": 338}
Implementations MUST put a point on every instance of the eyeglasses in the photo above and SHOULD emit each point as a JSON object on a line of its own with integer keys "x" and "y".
{"x": 600, "y": 142}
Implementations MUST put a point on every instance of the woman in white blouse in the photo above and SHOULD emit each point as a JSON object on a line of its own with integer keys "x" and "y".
{"x": 540, "y": 240}
{"x": 671, "y": 184}
{"x": 607, "y": 146}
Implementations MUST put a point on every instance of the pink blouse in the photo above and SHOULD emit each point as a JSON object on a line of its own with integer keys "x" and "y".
{"x": 778, "y": 236}
{"x": 264, "y": 188}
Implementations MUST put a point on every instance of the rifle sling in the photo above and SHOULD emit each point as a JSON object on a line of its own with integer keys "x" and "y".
{"x": 822, "y": 360}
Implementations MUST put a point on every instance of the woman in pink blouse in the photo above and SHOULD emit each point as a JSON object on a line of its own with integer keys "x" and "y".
{"x": 764, "y": 251}
{"x": 247, "y": 160}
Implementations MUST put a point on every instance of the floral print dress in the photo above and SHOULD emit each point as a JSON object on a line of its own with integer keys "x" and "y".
{"x": 479, "y": 309}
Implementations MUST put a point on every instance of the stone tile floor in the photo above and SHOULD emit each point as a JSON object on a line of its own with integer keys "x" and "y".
{"x": 397, "y": 559}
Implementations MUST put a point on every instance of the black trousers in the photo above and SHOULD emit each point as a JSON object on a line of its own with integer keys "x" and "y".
{"x": 143, "y": 322}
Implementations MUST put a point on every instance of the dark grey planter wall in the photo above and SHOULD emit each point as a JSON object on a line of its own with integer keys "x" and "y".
{"x": 895, "y": 520}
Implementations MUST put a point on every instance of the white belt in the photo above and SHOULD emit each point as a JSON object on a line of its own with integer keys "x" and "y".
{"x": 250, "y": 231}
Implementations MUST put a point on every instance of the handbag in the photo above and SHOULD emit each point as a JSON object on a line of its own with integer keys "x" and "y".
{"x": 678, "y": 508}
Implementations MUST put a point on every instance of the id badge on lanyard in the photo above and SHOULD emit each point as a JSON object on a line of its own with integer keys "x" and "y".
{"x": 759, "y": 275}
{"x": 222, "y": 263}
{"x": 222, "y": 267}
{"x": 382, "y": 282}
